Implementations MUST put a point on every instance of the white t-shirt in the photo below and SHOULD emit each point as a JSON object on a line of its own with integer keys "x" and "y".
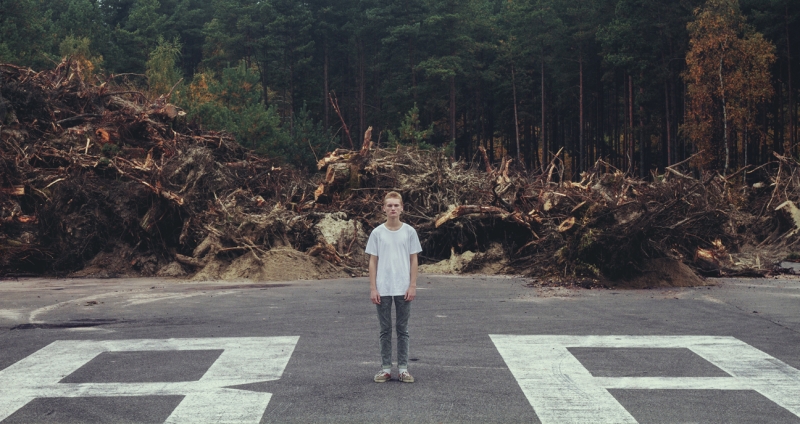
{"x": 393, "y": 249}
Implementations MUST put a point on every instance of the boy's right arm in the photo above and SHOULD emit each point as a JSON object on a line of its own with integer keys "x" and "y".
{"x": 374, "y": 296}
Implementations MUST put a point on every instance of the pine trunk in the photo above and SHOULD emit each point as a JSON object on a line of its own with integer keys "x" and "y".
{"x": 516, "y": 118}
{"x": 327, "y": 106}
{"x": 667, "y": 122}
{"x": 631, "y": 163}
{"x": 643, "y": 144}
{"x": 453, "y": 110}
{"x": 724, "y": 118}
{"x": 792, "y": 112}
{"x": 543, "y": 136}
{"x": 580, "y": 119}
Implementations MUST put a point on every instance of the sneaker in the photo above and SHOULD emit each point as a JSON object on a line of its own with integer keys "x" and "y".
{"x": 405, "y": 377}
{"x": 382, "y": 377}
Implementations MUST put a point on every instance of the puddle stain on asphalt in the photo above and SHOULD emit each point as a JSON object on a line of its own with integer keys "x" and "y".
{"x": 69, "y": 324}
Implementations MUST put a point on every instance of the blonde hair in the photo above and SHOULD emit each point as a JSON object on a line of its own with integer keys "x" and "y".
{"x": 393, "y": 195}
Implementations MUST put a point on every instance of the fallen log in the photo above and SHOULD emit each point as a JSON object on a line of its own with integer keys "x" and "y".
{"x": 327, "y": 251}
{"x": 463, "y": 210}
{"x": 792, "y": 214}
{"x": 197, "y": 263}
{"x": 13, "y": 191}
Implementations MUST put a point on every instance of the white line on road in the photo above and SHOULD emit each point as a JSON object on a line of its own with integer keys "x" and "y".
{"x": 45, "y": 309}
{"x": 244, "y": 360}
{"x": 11, "y": 314}
{"x": 561, "y": 389}
{"x": 672, "y": 383}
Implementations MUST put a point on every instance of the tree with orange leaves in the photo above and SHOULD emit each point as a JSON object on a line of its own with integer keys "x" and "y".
{"x": 727, "y": 76}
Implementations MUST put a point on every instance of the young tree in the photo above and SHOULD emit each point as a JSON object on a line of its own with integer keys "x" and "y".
{"x": 232, "y": 102}
{"x": 162, "y": 71}
{"x": 728, "y": 76}
{"x": 78, "y": 49}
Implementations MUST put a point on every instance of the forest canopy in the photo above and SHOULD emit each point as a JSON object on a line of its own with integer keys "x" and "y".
{"x": 642, "y": 84}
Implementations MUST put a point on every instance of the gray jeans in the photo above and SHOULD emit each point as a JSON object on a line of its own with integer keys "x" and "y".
{"x": 402, "y": 312}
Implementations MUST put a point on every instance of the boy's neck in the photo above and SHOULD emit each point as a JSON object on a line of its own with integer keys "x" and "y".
{"x": 393, "y": 223}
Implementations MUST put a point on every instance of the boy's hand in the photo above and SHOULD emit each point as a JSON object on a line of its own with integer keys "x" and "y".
{"x": 411, "y": 293}
{"x": 374, "y": 296}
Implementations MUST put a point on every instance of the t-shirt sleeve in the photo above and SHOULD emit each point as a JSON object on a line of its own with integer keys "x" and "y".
{"x": 372, "y": 244}
{"x": 414, "y": 246}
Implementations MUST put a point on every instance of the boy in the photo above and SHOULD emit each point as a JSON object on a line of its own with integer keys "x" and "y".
{"x": 393, "y": 247}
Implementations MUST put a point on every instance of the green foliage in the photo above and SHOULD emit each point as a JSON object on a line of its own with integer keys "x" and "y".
{"x": 309, "y": 140}
{"x": 161, "y": 67}
{"x": 77, "y": 18}
{"x": 232, "y": 103}
{"x": 79, "y": 49}
{"x": 409, "y": 132}
{"x": 23, "y": 37}
{"x": 76, "y": 47}
{"x": 231, "y": 34}
{"x": 792, "y": 256}
{"x": 286, "y": 46}
{"x": 110, "y": 149}
{"x": 6, "y": 55}
{"x": 138, "y": 34}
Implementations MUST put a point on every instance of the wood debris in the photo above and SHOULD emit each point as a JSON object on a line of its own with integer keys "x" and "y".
{"x": 86, "y": 167}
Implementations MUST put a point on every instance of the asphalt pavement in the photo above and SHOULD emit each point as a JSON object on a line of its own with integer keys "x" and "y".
{"x": 483, "y": 349}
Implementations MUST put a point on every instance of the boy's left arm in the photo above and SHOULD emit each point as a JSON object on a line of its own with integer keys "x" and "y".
{"x": 411, "y": 293}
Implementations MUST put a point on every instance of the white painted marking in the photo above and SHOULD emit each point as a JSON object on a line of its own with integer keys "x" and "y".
{"x": 561, "y": 389}
{"x": 141, "y": 299}
{"x": 79, "y": 301}
{"x": 244, "y": 360}
{"x": 11, "y": 314}
{"x": 89, "y": 330}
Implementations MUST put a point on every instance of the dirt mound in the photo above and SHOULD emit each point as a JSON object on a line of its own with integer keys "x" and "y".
{"x": 661, "y": 272}
{"x": 120, "y": 260}
{"x": 281, "y": 264}
{"x": 491, "y": 262}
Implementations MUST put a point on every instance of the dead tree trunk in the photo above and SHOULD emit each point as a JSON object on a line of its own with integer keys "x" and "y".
{"x": 724, "y": 117}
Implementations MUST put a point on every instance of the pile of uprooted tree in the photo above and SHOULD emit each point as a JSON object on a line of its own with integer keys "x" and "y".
{"x": 97, "y": 179}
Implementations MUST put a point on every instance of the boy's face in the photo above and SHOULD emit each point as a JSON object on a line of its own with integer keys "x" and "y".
{"x": 392, "y": 207}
